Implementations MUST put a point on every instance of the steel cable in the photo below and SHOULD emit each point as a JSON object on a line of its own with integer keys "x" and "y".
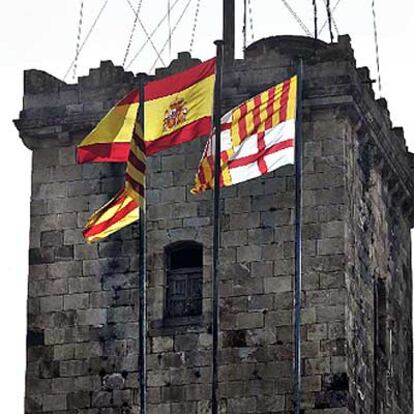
{"x": 245, "y": 25}
{"x": 146, "y": 33}
{"x": 326, "y": 21}
{"x": 75, "y": 65}
{"x": 151, "y": 34}
{"x": 374, "y": 16}
{"x": 193, "y": 32}
{"x": 173, "y": 30}
{"x": 87, "y": 36}
{"x": 131, "y": 36}
{"x": 169, "y": 27}
{"x": 297, "y": 18}
{"x": 249, "y": 4}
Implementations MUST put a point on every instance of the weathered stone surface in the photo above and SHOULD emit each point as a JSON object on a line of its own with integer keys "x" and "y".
{"x": 54, "y": 403}
{"x": 358, "y": 196}
{"x": 113, "y": 381}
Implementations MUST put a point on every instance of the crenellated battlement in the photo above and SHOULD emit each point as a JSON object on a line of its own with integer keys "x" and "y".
{"x": 331, "y": 79}
{"x": 358, "y": 210}
{"x": 104, "y": 85}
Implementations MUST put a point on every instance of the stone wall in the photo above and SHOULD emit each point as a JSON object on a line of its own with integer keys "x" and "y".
{"x": 82, "y": 306}
{"x": 378, "y": 277}
{"x": 378, "y": 245}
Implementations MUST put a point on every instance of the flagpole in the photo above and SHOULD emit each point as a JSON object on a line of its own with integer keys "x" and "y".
{"x": 298, "y": 246}
{"x": 142, "y": 277}
{"x": 216, "y": 228}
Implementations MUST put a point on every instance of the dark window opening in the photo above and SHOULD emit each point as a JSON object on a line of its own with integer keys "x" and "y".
{"x": 184, "y": 280}
{"x": 381, "y": 354}
{"x": 381, "y": 314}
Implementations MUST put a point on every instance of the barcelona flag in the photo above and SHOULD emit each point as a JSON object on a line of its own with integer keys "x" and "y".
{"x": 257, "y": 137}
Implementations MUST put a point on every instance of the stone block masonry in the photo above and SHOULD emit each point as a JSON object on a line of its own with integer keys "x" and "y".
{"x": 357, "y": 281}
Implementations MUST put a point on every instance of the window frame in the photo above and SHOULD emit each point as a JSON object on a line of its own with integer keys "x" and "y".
{"x": 169, "y": 250}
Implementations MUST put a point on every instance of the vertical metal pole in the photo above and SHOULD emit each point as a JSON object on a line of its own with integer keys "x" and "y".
{"x": 142, "y": 278}
{"x": 298, "y": 246}
{"x": 229, "y": 24}
{"x": 328, "y": 10}
{"x": 216, "y": 228}
{"x": 315, "y": 18}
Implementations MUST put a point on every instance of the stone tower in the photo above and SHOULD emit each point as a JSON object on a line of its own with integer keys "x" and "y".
{"x": 358, "y": 212}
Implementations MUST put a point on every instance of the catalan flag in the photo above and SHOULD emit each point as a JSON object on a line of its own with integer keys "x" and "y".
{"x": 135, "y": 172}
{"x": 119, "y": 212}
{"x": 178, "y": 109}
{"x": 122, "y": 210}
{"x": 257, "y": 137}
{"x": 111, "y": 138}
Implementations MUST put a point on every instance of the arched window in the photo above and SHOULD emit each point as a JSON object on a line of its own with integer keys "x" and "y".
{"x": 184, "y": 262}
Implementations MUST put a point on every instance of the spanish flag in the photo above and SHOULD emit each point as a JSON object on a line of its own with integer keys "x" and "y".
{"x": 257, "y": 137}
{"x": 178, "y": 109}
{"x": 111, "y": 138}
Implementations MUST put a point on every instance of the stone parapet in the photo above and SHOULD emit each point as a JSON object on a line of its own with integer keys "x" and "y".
{"x": 357, "y": 193}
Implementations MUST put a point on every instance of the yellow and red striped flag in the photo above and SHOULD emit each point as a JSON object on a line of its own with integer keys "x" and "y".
{"x": 257, "y": 137}
{"x": 135, "y": 171}
{"x": 122, "y": 210}
{"x": 111, "y": 138}
{"x": 119, "y": 212}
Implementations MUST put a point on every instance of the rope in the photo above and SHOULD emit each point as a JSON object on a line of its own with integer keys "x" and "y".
{"x": 75, "y": 66}
{"x": 335, "y": 26}
{"x": 249, "y": 3}
{"x": 333, "y": 20}
{"x": 151, "y": 35}
{"x": 245, "y": 25}
{"x": 374, "y": 16}
{"x": 172, "y": 32}
{"x": 328, "y": 11}
{"x": 297, "y": 18}
{"x": 169, "y": 27}
{"x": 248, "y": 11}
{"x": 193, "y": 32}
{"x": 315, "y": 17}
{"x": 87, "y": 37}
{"x": 146, "y": 33}
{"x": 131, "y": 36}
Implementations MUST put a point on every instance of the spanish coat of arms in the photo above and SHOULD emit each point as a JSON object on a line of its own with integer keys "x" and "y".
{"x": 175, "y": 115}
